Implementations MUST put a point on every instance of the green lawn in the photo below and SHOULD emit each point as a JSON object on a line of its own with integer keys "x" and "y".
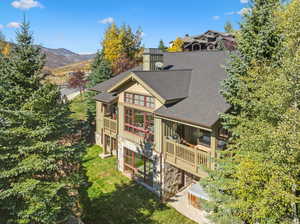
{"x": 78, "y": 107}
{"x": 109, "y": 197}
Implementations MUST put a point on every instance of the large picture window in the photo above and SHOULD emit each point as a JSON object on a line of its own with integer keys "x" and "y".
{"x": 139, "y": 166}
{"x": 139, "y": 122}
{"x": 139, "y": 100}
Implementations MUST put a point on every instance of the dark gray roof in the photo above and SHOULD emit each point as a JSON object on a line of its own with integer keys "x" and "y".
{"x": 163, "y": 82}
{"x": 104, "y": 86}
{"x": 205, "y": 102}
{"x": 193, "y": 76}
{"x": 106, "y": 97}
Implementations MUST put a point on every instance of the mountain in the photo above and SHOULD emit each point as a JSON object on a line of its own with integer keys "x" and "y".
{"x": 62, "y": 57}
{"x": 58, "y": 57}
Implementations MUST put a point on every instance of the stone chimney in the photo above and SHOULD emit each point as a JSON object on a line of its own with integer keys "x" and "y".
{"x": 152, "y": 59}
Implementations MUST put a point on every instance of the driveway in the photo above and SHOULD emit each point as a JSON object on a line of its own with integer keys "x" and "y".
{"x": 70, "y": 93}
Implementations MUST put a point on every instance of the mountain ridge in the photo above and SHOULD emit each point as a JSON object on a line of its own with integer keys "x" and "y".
{"x": 59, "y": 57}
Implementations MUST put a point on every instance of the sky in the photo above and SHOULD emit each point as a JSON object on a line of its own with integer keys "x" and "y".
{"x": 79, "y": 25}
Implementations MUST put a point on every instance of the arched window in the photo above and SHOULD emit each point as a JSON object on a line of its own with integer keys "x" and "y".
{"x": 196, "y": 47}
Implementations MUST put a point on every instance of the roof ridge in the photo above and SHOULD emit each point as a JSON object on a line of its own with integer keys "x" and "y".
{"x": 172, "y": 70}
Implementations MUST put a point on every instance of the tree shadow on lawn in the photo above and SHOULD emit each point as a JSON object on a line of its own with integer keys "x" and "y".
{"x": 128, "y": 204}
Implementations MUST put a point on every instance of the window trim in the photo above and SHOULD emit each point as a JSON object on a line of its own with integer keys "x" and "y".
{"x": 144, "y": 100}
{"x": 145, "y": 131}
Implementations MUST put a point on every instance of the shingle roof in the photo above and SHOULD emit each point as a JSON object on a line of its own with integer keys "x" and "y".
{"x": 200, "y": 71}
{"x": 104, "y": 86}
{"x": 106, "y": 97}
{"x": 205, "y": 101}
{"x": 163, "y": 82}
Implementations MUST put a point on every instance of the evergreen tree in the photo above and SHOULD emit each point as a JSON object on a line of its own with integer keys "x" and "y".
{"x": 256, "y": 178}
{"x": 37, "y": 162}
{"x": 228, "y": 27}
{"x": 162, "y": 46}
{"x": 2, "y": 37}
{"x": 101, "y": 71}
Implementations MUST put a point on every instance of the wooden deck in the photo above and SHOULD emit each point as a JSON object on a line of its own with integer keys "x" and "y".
{"x": 110, "y": 127}
{"x": 192, "y": 160}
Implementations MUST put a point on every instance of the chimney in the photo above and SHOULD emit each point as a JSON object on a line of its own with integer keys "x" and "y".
{"x": 152, "y": 59}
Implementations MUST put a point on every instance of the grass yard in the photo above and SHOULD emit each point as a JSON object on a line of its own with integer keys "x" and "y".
{"x": 111, "y": 198}
{"x": 78, "y": 107}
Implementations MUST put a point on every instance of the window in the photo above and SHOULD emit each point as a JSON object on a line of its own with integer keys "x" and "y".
{"x": 139, "y": 166}
{"x": 204, "y": 139}
{"x": 128, "y": 98}
{"x": 222, "y": 138}
{"x": 139, "y": 122}
{"x": 139, "y": 100}
{"x": 223, "y": 133}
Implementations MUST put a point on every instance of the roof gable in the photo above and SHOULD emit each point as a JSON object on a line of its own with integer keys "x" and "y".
{"x": 164, "y": 85}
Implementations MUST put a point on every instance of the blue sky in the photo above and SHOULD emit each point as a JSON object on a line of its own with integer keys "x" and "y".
{"x": 79, "y": 25}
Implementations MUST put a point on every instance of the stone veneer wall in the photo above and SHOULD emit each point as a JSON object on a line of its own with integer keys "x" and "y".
{"x": 172, "y": 180}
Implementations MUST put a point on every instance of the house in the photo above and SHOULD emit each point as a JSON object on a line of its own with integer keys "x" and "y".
{"x": 161, "y": 119}
{"x": 210, "y": 40}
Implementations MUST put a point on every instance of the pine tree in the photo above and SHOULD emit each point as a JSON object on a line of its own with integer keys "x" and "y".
{"x": 162, "y": 46}
{"x": 2, "y": 37}
{"x": 37, "y": 165}
{"x": 256, "y": 177}
{"x": 101, "y": 71}
{"x": 228, "y": 27}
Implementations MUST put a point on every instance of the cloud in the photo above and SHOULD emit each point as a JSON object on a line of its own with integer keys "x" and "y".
{"x": 216, "y": 17}
{"x": 26, "y": 4}
{"x": 243, "y": 11}
{"x": 230, "y": 13}
{"x": 13, "y": 25}
{"x": 244, "y": 1}
{"x": 107, "y": 20}
{"x": 1, "y": 26}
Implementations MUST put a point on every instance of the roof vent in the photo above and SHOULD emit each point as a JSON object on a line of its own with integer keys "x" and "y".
{"x": 159, "y": 65}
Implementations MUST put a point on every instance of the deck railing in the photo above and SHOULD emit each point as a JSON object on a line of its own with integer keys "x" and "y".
{"x": 187, "y": 158}
{"x": 111, "y": 125}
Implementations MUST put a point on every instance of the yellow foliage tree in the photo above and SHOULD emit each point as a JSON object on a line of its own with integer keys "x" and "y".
{"x": 6, "y": 49}
{"x": 112, "y": 44}
{"x": 176, "y": 45}
{"x": 122, "y": 47}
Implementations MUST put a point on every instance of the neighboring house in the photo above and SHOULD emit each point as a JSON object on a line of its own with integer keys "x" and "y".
{"x": 210, "y": 40}
{"x": 161, "y": 119}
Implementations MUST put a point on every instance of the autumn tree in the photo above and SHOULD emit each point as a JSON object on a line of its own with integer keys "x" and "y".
{"x": 257, "y": 178}
{"x": 37, "y": 169}
{"x": 77, "y": 81}
{"x": 4, "y": 46}
{"x": 176, "y": 45}
{"x": 122, "y": 42}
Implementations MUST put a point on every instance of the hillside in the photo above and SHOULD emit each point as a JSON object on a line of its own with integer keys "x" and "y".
{"x": 59, "y": 57}
{"x": 62, "y": 57}
{"x": 61, "y": 74}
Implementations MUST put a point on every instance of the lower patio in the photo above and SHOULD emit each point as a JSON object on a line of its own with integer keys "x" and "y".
{"x": 110, "y": 197}
{"x": 182, "y": 204}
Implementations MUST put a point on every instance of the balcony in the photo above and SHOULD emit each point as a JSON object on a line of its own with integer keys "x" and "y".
{"x": 110, "y": 126}
{"x": 190, "y": 159}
